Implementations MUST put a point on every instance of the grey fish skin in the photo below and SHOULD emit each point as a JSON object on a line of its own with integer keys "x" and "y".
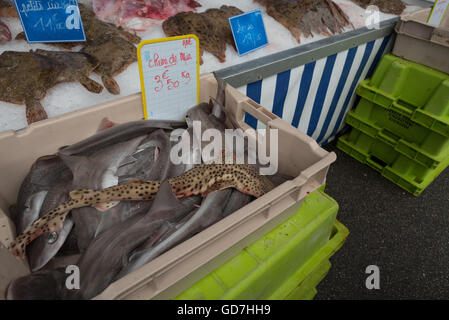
{"x": 211, "y": 211}
{"x": 120, "y": 213}
{"x": 31, "y": 213}
{"x": 119, "y": 133}
{"x": 43, "y": 285}
{"x": 96, "y": 172}
{"x": 219, "y": 102}
{"x": 44, "y": 173}
{"x": 202, "y": 113}
{"x": 152, "y": 159}
{"x": 158, "y": 171}
{"x": 41, "y": 252}
{"x": 109, "y": 251}
{"x": 237, "y": 200}
{"x": 44, "y": 248}
{"x": 136, "y": 166}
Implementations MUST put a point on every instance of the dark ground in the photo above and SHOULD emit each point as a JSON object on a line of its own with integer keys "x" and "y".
{"x": 407, "y": 237}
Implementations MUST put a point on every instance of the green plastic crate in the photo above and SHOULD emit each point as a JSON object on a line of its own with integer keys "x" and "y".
{"x": 302, "y": 284}
{"x": 406, "y": 105}
{"x": 406, "y": 173}
{"x": 430, "y": 149}
{"x": 307, "y": 289}
{"x": 283, "y": 259}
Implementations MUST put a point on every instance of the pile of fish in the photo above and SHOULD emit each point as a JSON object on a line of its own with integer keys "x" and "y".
{"x": 25, "y": 77}
{"x": 211, "y": 27}
{"x": 140, "y": 14}
{"x": 302, "y": 17}
{"x": 114, "y": 201}
{"x": 386, "y": 6}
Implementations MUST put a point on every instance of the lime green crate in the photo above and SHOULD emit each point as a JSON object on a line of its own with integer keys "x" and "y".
{"x": 308, "y": 276}
{"x": 430, "y": 149}
{"x": 287, "y": 262}
{"x": 406, "y": 105}
{"x": 382, "y": 157}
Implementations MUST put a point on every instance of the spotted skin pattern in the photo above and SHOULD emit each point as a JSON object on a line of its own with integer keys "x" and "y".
{"x": 202, "y": 179}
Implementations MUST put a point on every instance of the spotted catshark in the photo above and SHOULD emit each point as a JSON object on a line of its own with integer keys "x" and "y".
{"x": 201, "y": 180}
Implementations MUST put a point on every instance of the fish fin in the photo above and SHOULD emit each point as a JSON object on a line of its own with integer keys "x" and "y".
{"x": 91, "y": 85}
{"x": 106, "y": 124}
{"x": 218, "y": 186}
{"x": 110, "y": 84}
{"x": 134, "y": 38}
{"x": 104, "y": 206}
{"x": 34, "y": 111}
{"x": 217, "y": 109}
{"x": 75, "y": 163}
{"x": 81, "y": 194}
{"x": 137, "y": 181}
{"x": 221, "y": 90}
{"x": 20, "y": 36}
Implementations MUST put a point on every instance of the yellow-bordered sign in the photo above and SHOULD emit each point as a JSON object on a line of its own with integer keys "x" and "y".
{"x": 169, "y": 76}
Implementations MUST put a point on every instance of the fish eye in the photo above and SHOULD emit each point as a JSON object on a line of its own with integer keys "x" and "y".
{"x": 52, "y": 237}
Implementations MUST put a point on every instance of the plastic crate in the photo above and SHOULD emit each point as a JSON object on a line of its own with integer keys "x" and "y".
{"x": 175, "y": 270}
{"x": 430, "y": 150}
{"x": 288, "y": 262}
{"x": 307, "y": 289}
{"x": 420, "y": 42}
{"x": 382, "y": 157}
{"x": 406, "y": 105}
{"x": 314, "y": 271}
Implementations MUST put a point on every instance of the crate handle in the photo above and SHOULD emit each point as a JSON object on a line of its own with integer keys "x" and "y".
{"x": 254, "y": 109}
{"x": 401, "y": 108}
{"x": 388, "y": 137}
{"x": 438, "y": 34}
{"x": 375, "y": 163}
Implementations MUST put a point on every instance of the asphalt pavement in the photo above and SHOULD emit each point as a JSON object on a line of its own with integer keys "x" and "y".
{"x": 406, "y": 237}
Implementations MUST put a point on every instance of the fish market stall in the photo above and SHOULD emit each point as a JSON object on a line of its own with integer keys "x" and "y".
{"x": 88, "y": 187}
{"x": 265, "y": 65}
{"x": 231, "y": 223}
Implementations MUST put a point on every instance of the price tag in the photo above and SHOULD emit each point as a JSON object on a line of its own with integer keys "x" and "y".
{"x": 51, "y": 20}
{"x": 438, "y": 11}
{"x": 169, "y": 76}
{"x": 249, "y": 32}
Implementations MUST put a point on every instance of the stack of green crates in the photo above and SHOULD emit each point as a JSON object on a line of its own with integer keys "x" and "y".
{"x": 401, "y": 124}
{"x": 286, "y": 263}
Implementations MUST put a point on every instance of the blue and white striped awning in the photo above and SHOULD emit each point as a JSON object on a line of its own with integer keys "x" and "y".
{"x": 316, "y": 97}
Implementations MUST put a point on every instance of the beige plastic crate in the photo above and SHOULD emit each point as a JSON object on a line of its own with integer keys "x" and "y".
{"x": 299, "y": 156}
{"x": 423, "y": 43}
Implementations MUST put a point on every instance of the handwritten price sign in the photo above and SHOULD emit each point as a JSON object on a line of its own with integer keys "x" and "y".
{"x": 438, "y": 11}
{"x": 249, "y": 32}
{"x": 169, "y": 76}
{"x": 51, "y": 20}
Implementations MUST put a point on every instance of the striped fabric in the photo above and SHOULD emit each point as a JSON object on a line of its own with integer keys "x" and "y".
{"x": 316, "y": 97}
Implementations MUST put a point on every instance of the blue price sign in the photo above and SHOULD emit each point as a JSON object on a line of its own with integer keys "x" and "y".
{"x": 249, "y": 32}
{"x": 51, "y": 20}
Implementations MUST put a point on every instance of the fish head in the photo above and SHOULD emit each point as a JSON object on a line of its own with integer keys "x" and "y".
{"x": 44, "y": 248}
{"x": 199, "y": 112}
